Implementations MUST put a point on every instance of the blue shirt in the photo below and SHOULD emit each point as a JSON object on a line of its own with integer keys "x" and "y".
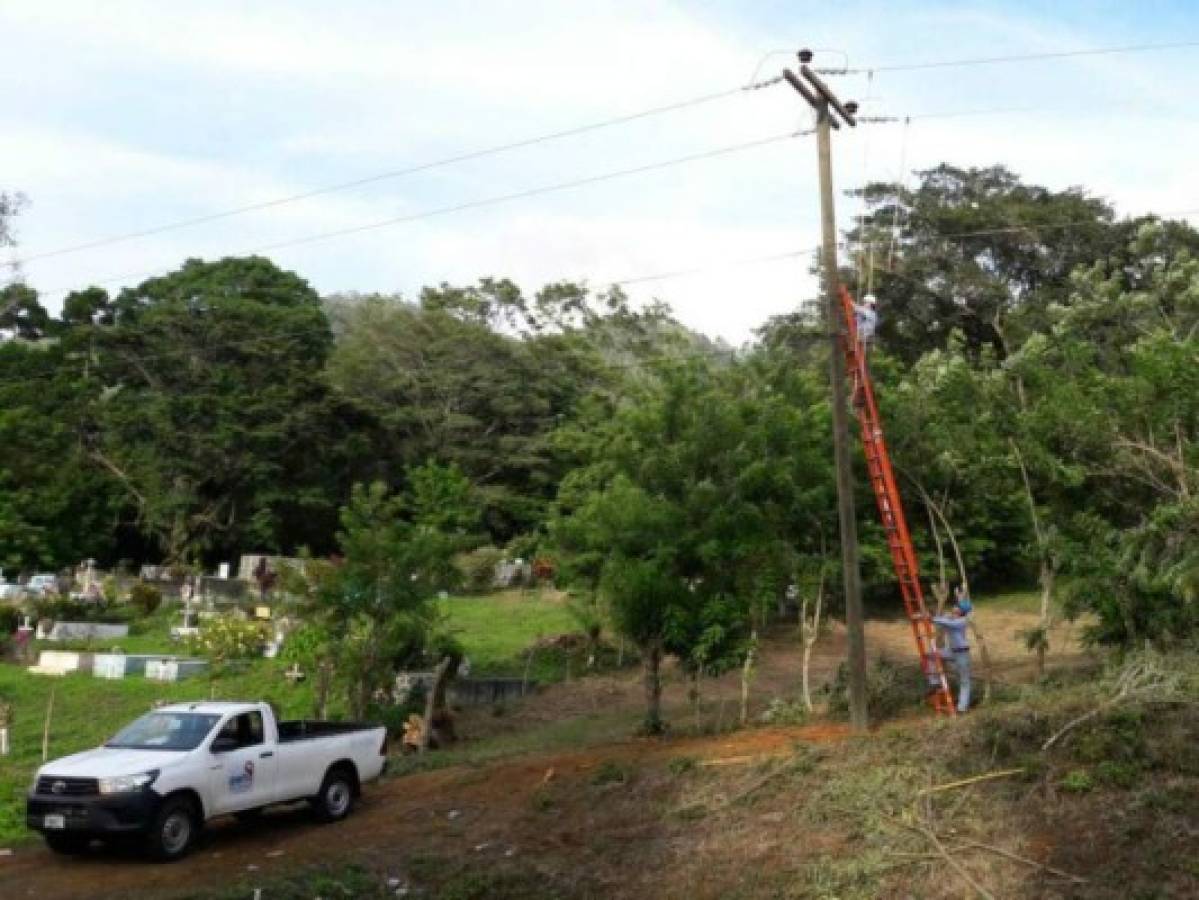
{"x": 955, "y": 626}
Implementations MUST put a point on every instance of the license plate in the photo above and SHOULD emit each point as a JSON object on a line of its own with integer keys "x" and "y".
{"x": 55, "y": 822}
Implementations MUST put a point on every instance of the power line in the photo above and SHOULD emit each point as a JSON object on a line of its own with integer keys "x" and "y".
{"x": 399, "y": 173}
{"x": 476, "y": 204}
{"x": 1015, "y": 57}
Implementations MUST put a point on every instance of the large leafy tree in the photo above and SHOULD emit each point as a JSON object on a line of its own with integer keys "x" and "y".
{"x": 211, "y": 413}
{"x": 55, "y": 509}
{"x": 975, "y": 251}
{"x": 482, "y": 376}
{"x": 698, "y": 491}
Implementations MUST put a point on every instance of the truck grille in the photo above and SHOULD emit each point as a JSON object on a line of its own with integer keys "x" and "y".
{"x": 67, "y": 787}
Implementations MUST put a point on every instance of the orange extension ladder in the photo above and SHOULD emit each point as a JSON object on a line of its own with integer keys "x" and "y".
{"x": 890, "y": 510}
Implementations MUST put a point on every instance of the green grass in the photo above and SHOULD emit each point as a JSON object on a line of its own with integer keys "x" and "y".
{"x": 496, "y": 631}
{"x": 89, "y": 710}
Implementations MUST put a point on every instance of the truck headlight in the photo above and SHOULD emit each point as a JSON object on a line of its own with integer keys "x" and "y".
{"x": 124, "y": 784}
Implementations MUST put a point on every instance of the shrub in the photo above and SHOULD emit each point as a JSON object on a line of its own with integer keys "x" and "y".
{"x": 681, "y": 765}
{"x": 10, "y": 618}
{"x": 227, "y": 637}
{"x": 890, "y": 689}
{"x": 145, "y": 597}
{"x": 478, "y": 568}
{"x": 1077, "y": 782}
{"x": 785, "y": 712}
{"x": 610, "y": 772}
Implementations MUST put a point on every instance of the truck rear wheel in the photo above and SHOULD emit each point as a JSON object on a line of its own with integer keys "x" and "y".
{"x": 174, "y": 830}
{"x": 336, "y": 796}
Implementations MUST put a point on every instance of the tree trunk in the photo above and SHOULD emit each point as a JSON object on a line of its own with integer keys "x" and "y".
{"x": 1048, "y": 575}
{"x": 695, "y": 705}
{"x": 652, "y": 665}
{"x": 434, "y": 702}
{"x": 809, "y": 634}
{"x": 747, "y": 671}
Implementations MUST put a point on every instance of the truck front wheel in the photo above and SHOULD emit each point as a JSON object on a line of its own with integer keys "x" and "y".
{"x": 336, "y": 796}
{"x": 173, "y": 831}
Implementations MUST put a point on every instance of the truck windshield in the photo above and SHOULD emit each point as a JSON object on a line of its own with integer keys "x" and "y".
{"x": 164, "y": 731}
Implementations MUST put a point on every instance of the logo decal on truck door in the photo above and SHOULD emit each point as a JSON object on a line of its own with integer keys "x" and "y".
{"x": 241, "y": 784}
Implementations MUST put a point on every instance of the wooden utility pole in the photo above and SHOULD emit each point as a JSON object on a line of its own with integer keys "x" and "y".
{"x": 813, "y": 89}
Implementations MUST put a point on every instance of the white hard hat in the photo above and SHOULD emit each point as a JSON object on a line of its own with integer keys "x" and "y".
{"x": 871, "y": 300}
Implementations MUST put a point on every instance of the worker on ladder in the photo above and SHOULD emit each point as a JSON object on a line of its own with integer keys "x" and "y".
{"x": 865, "y": 317}
{"x": 958, "y": 652}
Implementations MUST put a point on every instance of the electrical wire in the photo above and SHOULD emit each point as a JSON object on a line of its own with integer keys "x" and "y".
{"x": 475, "y": 204}
{"x": 1016, "y": 57}
{"x": 753, "y": 85}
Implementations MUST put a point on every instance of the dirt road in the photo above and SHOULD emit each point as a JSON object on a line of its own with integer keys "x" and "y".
{"x": 449, "y": 812}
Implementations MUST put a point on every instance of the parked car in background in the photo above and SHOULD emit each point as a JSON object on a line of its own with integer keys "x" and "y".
{"x": 166, "y": 774}
{"x": 11, "y": 591}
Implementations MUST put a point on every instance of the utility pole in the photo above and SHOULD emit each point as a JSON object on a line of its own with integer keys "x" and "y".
{"x": 813, "y": 89}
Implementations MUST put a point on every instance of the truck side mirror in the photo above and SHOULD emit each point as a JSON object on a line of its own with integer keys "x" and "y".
{"x": 223, "y": 744}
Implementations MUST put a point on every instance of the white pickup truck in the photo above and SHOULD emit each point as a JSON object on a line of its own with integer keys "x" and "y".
{"x": 162, "y": 777}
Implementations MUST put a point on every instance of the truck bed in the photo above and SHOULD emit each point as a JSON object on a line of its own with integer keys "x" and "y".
{"x": 307, "y": 729}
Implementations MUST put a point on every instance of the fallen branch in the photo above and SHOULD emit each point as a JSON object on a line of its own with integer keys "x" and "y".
{"x": 1141, "y": 678}
{"x": 724, "y": 802}
{"x": 1077, "y": 879}
{"x": 932, "y": 838}
{"x": 1004, "y": 773}
{"x": 929, "y": 835}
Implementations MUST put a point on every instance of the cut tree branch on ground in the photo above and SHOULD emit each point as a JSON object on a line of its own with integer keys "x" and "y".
{"x": 1077, "y": 879}
{"x": 931, "y": 836}
{"x": 1140, "y": 679}
{"x": 1003, "y": 773}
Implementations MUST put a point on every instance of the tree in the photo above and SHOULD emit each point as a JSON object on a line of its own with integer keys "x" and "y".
{"x": 687, "y": 515}
{"x": 376, "y": 606}
{"x": 435, "y": 386}
{"x": 975, "y": 251}
{"x": 55, "y": 508}
{"x": 212, "y": 411}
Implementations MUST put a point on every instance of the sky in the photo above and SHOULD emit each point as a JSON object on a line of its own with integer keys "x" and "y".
{"x": 125, "y": 115}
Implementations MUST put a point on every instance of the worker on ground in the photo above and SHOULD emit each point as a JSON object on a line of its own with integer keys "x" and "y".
{"x": 958, "y": 652}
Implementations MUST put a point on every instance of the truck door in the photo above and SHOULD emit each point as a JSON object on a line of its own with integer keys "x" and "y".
{"x": 243, "y": 765}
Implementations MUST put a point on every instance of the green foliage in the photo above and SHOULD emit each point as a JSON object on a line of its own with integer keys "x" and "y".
{"x": 610, "y": 772}
{"x": 212, "y": 387}
{"x": 681, "y": 765}
{"x": 228, "y": 637}
{"x": 145, "y": 597}
{"x": 1077, "y": 781}
{"x": 782, "y": 711}
{"x": 891, "y": 689}
{"x": 64, "y": 609}
{"x": 477, "y": 568}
